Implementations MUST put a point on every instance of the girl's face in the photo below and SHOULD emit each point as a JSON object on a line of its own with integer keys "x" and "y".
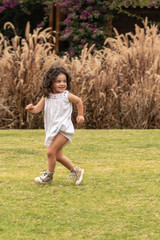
{"x": 60, "y": 84}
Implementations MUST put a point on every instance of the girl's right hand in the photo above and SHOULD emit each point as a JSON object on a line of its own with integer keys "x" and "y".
{"x": 37, "y": 108}
{"x": 30, "y": 107}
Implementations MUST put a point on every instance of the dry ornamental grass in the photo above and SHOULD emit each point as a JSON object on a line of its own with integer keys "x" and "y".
{"x": 135, "y": 103}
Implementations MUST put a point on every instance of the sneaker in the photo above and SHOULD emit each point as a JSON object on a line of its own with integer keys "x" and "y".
{"x": 77, "y": 173}
{"x": 47, "y": 177}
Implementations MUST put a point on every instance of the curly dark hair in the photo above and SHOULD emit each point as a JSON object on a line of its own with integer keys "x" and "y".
{"x": 50, "y": 77}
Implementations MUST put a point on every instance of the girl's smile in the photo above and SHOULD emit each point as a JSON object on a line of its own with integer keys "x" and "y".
{"x": 60, "y": 83}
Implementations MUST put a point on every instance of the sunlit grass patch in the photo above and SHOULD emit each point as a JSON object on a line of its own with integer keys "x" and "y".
{"x": 117, "y": 199}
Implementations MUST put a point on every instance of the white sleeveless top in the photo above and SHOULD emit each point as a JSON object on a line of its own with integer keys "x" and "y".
{"x": 57, "y": 117}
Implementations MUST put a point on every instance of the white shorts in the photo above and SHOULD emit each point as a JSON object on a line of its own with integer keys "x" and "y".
{"x": 49, "y": 140}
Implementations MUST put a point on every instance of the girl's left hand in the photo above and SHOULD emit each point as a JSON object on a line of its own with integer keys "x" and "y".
{"x": 80, "y": 119}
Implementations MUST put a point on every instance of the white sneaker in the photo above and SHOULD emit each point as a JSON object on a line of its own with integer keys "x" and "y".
{"x": 47, "y": 177}
{"x": 77, "y": 173}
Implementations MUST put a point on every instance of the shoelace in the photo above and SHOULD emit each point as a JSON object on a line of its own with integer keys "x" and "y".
{"x": 72, "y": 174}
{"x": 45, "y": 173}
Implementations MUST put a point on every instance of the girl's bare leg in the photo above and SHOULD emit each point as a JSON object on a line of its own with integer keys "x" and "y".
{"x": 54, "y": 154}
{"x": 53, "y": 149}
{"x": 64, "y": 160}
{"x": 77, "y": 172}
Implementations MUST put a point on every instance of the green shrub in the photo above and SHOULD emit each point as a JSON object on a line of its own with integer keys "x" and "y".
{"x": 19, "y": 12}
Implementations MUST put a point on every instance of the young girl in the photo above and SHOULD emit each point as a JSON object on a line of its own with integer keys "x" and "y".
{"x": 57, "y": 104}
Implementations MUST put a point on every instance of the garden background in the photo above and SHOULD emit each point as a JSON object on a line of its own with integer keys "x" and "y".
{"x": 116, "y": 75}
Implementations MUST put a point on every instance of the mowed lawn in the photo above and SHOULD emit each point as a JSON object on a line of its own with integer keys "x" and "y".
{"x": 119, "y": 197}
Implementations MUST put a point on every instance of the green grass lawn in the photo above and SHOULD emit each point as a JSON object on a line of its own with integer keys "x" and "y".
{"x": 119, "y": 197}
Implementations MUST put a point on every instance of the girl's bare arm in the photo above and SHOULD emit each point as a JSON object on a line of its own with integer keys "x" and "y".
{"x": 37, "y": 108}
{"x": 74, "y": 99}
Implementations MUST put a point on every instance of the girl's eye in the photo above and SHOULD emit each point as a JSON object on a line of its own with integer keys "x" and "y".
{"x": 58, "y": 81}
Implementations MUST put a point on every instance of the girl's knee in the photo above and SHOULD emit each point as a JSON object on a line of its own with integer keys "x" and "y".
{"x": 57, "y": 157}
{"x": 50, "y": 153}
{"x": 53, "y": 151}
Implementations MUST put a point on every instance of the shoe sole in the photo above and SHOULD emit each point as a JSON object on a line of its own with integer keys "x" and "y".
{"x": 81, "y": 177}
{"x": 39, "y": 182}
